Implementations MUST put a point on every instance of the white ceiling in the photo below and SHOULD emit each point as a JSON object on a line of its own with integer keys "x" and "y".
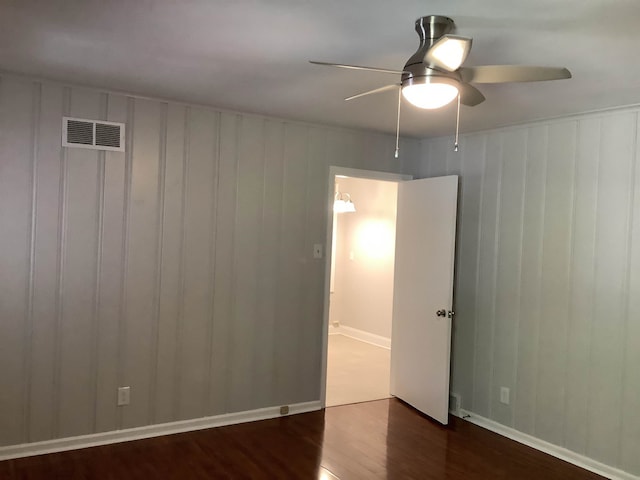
{"x": 251, "y": 55}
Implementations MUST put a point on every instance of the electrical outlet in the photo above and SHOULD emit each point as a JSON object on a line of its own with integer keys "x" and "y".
{"x": 504, "y": 395}
{"x": 124, "y": 396}
{"x": 284, "y": 410}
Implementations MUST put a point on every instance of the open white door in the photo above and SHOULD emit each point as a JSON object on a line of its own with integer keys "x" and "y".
{"x": 423, "y": 294}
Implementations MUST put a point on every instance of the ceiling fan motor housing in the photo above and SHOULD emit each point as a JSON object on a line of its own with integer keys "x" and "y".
{"x": 416, "y": 71}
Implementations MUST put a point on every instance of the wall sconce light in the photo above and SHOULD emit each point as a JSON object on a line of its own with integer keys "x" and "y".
{"x": 342, "y": 203}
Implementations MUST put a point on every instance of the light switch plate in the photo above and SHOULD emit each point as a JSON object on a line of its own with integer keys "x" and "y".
{"x": 504, "y": 395}
{"x": 124, "y": 396}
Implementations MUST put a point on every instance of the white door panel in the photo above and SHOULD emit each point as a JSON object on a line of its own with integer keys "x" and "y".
{"x": 423, "y": 284}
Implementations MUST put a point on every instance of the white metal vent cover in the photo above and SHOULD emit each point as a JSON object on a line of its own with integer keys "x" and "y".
{"x": 93, "y": 134}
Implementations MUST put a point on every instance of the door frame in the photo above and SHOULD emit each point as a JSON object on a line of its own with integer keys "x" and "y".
{"x": 347, "y": 172}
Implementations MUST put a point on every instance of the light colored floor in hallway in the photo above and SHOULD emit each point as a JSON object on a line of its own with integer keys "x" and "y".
{"x": 356, "y": 371}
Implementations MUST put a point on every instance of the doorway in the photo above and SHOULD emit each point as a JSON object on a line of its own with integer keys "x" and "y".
{"x": 360, "y": 290}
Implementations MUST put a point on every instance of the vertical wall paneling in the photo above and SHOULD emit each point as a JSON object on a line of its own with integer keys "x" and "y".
{"x": 531, "y": 279}
{"x": 341, "y": 148}
{"x": 202, "y": 151}
{"x": 582, "y": 285}
{"x": 455, "y": 161}
{"x": 378, "y": 153}
{"x": 169, "y": 309}
{"x": 556, "y": 257}
{"x": 224, "y": 281}
{"x": 439, "y": 151}
{"x": 99, "y": 231}
{"x": 317, "y": 182}
{"x": 549, "y": 227}
{"x": 124, "y": 259}
{"x": 358, "y": 151}
{"x": 76, "y": 385}
{"x": 408, "y": 157}
{"x": 181, "y": 268}
{"x": 16, "y": 177}
{"x": 59, "y": 304}
{"x": 303, "y": 249}
{"x": 181, "y": 272}
{"x": 47, "y": 229}
{"x": 303, "y": 354}
{"x": 425, "y": 150}
{"x": 197, "y": 266}
{"x": 417, "y": 168}
{"x": 454, "y": 164}
{"x": 609, "y": 307}
{"x": 246, "y": 328}
{"x": 109, "y": 299}
{"x": 215, "y": 186}
{"x": 142, "y": 244}
{"x": 487, "y": 276}
{"x": 291, "y": 256}
{"x": 629, "y": 442}
{"x": 28, "y": 324}
{"x": 466, "y": 268}
{"x": 155, "y": 330}
{"x": 508, "y": 274}
{"x": 268, "y": 265}
{"x": 408, "y": 160}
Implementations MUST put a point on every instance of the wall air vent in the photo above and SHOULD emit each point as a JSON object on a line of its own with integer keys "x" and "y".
{"x": 93, "y": 134}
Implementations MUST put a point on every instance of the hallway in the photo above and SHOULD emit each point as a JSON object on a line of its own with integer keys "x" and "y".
{"x": 356, "y": 371}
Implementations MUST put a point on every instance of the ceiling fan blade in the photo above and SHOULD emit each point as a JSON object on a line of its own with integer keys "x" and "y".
{"x": 393, "y": 86}
{"x": 470, "y": 95}
{"x": 512, "y": 73}
{"x": 358, "y": 67}
{"x": 449, "y": 52}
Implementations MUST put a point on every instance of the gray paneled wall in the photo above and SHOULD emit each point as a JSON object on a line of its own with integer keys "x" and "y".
{"x": 182, "y": 268}
{"x": 548, "y": 280}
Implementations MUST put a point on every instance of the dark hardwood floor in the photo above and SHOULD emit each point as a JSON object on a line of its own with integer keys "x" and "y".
{"x": 385, "y": 439}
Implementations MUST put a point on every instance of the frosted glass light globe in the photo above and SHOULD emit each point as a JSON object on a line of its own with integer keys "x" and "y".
{"x": 430, "y": 95}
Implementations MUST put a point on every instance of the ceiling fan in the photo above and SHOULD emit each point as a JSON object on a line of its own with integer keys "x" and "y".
{"x": 433, "y": 76}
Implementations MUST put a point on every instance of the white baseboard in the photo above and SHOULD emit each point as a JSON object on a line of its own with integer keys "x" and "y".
{"x": 549, "y": 448}
{"x": 83, "y": 441}
{"x": 361, "y": 335}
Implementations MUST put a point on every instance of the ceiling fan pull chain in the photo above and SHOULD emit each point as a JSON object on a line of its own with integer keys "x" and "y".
{"x": 398, "y": 123}
{"x": 455, "y": 146}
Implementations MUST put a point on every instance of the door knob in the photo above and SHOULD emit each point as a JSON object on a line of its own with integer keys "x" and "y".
{"x": 441, "y": 313}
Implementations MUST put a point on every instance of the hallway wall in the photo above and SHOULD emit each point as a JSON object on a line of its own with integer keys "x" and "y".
{"x": 363, "y": 296}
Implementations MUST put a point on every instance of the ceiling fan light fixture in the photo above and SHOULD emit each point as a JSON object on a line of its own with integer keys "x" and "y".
{"x": 449, "y": 52}
{"x": 429, "y": 95}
